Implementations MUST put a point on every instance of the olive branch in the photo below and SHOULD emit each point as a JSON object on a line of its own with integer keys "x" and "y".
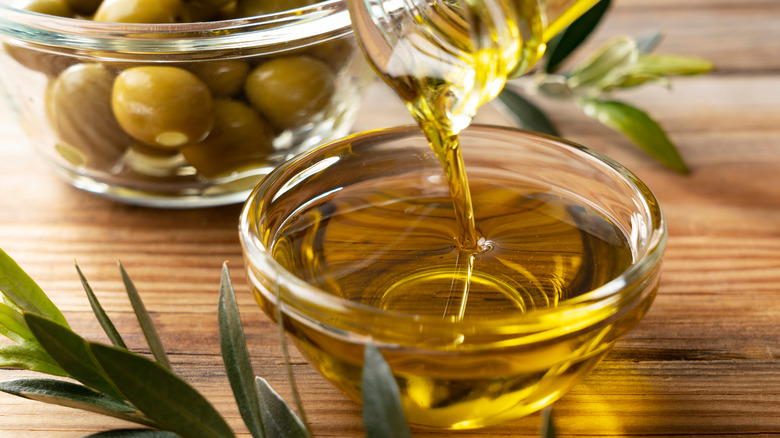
{"x": 117, "y": 382}
{"x": 620, "y": 63}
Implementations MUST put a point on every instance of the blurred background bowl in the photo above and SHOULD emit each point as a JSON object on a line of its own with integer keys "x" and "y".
{"x": 187, "y": 113}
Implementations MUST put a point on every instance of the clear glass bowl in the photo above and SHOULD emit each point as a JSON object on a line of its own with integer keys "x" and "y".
{"x": 59, "y": 74}
{"x": 453, "y": 373}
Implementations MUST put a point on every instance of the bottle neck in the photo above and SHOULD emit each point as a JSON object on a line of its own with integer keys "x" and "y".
{"x": 447, "y": 58}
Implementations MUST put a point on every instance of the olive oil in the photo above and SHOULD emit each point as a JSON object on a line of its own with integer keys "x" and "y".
{"x": 392, "y": 244}
{"x": 445, "y": 59}
{"x": 448, "y": 248}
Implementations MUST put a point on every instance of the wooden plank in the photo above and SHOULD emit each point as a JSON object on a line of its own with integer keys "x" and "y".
{"x": 704, "y": 362}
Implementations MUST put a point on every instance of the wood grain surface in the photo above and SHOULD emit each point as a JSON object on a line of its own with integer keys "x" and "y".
{"x": 705, "y": 361}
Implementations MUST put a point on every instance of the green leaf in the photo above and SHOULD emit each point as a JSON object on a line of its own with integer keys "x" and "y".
{"x": 100, "y": 314}
{"x": 236, "y": 358}
{"x": 668, "y": 65}
{"x": 554, "y": 86}
{"x": 160, "y": 394}
{"x": 525, "y": 114}
{"x": 608, "y": 66}
{"x": 287, "y": 362}
{"x": 383, "y": 415}
{"x": 637, "y": 126}
{"x": 653, "y": 67}
{"x": 24, "y": 293}
{"x": 279, "y": 419}
{"x": 147, "y": 326}
{"x": 71, "y": 352}
{"x": 547, "y": 429}
{"x": 72, "y": 395}
{"x": 560, "y": 47}
{"x": 134, "y": 433}
{"x": 12, "y": 325}
{"x": 31, "y": 358}
{"x": 648, "y": 43}
{"x": 10, "y": 303}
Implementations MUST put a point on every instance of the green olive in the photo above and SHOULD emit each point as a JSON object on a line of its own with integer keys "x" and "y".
{"x": 207, "y": 10}
{"x": 162, "y": 106}
{"x": 84, "y": 7}
{"x": 198, "y": 13}
{"x": 224, "y": 78}
{"x": 240, "y": 138}
{"x": 143, "y": 160}
{"x": 47, "y": 63}
{"x": 78, "y": 104}
{"x": 216, "y": 4}
{"x": 142, "y": 11}
{"x": 251, "y": 8}
{"x": 336, "y": 53}
{"x": 58, "y": 8}
{"x": 290, "y": 91}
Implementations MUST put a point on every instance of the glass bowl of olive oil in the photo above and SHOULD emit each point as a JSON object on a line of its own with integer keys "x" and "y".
{"x": 178, "y": 103}
{"x": 356, "y": 242}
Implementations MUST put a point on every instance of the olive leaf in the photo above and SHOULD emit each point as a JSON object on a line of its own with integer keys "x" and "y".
{"x": 657, "y": 66}
{"x": 608, "y": 66}
{"x": 144, "y": 320}
{"x": 24, "y": 293}
{"x": 70, "y": 351}
{"x": 566, "y": 42}
{"x": 12, "y": 325}
{"x": 31, "y": 358}
{"x": 524, "y": 113}
{"x": 72, "y": 395}
{"x": 236, "y": 358}
{"x": 133, "y": 433}
{"x": 547, "y": 428}
{"x": 160, "y": 394}
{"x": 383, "y": 416}
{"x": 648, "y": 43}
{"x": 100, "y": 314}
{"x": 286, "y": 356}
{"x": 278, "y": 418}
{"x": 637, "y": 126}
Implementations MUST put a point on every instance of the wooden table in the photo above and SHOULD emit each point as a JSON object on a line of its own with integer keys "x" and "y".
{"x": 704, "y": 362}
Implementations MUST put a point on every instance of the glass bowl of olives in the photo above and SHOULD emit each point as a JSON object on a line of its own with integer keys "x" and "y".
{"x": 178, "y": 103}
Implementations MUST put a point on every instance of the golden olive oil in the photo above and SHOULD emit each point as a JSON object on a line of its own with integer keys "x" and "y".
{"x": 445, "y": 59}
{"x": 475, "y": 251}
{"x": 392, "y": 244}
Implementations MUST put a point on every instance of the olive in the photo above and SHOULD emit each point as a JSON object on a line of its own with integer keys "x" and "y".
{"x": 197, "y": 12}
{"x": 289, "y": 91}
{"x": 240, "y": 139}
{"x": 336, "y": 53}
{"x": 142, "y": 11}
{"x": 207, "y": 10}
{"x": 224, "y": 78}
{"x": 251, "y": 8}
{"x": 58, "y": 8}
{"x": 215, "y": 4}
{"x": 47, "y": 63}
{"x": 84, "y": 7}
{"x": 155, "y": 162}
{"x": 162, "y": 106}
{"x": 78, "y": 104}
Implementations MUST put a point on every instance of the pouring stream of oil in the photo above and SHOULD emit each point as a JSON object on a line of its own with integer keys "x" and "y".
{"x": 445, "y": 59}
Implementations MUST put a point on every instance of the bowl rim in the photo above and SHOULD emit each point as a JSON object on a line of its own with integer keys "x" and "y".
{"x": 541, "y": 324}
{"x": 293, "y": 28}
